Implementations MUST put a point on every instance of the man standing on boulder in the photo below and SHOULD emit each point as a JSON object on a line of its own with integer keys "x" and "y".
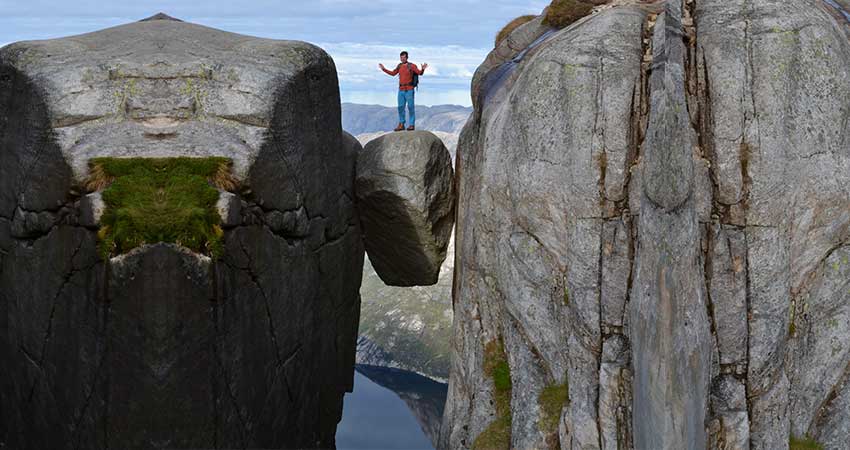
{"x": 405, "y": 72}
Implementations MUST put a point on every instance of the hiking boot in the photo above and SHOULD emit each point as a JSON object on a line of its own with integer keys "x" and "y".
{"x": 411, "y": 128}
{"x": 399, "y": 127}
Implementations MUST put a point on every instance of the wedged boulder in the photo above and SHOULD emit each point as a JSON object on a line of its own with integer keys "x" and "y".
{"x": 405, "y": 197}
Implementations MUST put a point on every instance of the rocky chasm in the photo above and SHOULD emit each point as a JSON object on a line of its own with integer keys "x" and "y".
{"x": 164, "y": 347}
{"x": 653, "y": 232}
{"x": 652, "y": 241}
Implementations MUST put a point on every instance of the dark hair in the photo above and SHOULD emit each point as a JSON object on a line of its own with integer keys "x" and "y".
{"x": 404, "y": 53}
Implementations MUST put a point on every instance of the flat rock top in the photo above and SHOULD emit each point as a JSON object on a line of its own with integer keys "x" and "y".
{"x": 162, "y": 87}
{"x": 398, "y": 150}
{"x": 167, "y": 43}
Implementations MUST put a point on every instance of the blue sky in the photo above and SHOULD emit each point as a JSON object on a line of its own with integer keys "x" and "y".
{"x": 452, "y": 36}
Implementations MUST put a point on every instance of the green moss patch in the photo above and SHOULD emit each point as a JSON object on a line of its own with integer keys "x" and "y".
{"x": 151, "y": 200}
{"x": 804, "y": 443}
{"x": 497, "y": 435}
{"x": 552, "y": 399}
{"x": 564, "y": 12}
{"x": 511, "y": 26}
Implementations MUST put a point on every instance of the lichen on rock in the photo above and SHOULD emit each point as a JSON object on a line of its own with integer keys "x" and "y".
{"x": 497, "y": 435}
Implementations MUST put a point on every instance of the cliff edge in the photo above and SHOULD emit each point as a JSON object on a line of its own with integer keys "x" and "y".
{"x": 653, "y": 232}
{"x": 115, "y": 335}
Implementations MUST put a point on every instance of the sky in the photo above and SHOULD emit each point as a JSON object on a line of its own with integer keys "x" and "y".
{"x": 452, "y": 36}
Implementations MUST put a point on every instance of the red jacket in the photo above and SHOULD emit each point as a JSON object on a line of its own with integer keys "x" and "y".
{"x": 405, "y": 77}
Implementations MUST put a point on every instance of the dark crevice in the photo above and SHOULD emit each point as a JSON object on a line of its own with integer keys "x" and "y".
{"x": 39, "y": 360}
{"x": 748, "y": 300}
{"x": 256, "y": 281}
{"x": 708, "y": 271}
{"x": 598, "y": 354}
{"x": 102, "y": 347}
{"x": 227, "y": 384}
{"x": 632, "y": 230}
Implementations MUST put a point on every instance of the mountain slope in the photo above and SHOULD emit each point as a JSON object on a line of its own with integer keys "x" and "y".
{"x": 359, "y": 119}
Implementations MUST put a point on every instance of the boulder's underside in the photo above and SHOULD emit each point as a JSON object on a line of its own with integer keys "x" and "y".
{"x": 655, "y": 210}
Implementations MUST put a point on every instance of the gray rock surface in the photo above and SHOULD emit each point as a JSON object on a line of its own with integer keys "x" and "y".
{"x": 531, "y": 220}
{"x": 405, "y": 198}
{"x": 677, "y": 186}
{"x": 161, "y": 347}
{"x": 669, "y": 322}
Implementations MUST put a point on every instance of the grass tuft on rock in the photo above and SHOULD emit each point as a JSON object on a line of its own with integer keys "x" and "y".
{"x": 551, "y": 400}
{"x": 562, "y": 13}
{"x": 511, "y": 26}
{"x": 804, "y": 443}
{"x": 151, "y": 200}
{"x": 497, "y": 435}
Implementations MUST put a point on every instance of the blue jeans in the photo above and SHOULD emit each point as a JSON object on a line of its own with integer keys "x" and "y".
{"x": 406, "y": 97}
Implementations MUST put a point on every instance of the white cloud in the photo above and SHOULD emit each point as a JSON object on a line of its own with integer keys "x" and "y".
{"x": 452, "y": 36}
{"x": 450, "y": 67}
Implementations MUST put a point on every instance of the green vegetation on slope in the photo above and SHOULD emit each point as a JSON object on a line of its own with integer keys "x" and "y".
{"x": 151, "y": 200}
{"x": 564, "y": 12}
{"x": 804, "y": 443}
{"x": 511, "y": 26}
{"x": 412, "y": 324}
{"x": 497, "y": 435}
{"x": 552, "y": 399}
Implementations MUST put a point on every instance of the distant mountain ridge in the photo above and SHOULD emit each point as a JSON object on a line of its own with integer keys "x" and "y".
{"x": 360, "y": 119}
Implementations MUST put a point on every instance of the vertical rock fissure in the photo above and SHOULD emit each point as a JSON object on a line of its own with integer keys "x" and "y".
{"x": 226, "y": 382}
{"x": 602, "y": 334}
{"x": 748, "y": 306}
{"x": 255, "y": 279}
{"x": 215, "y": 307}
{"x": 669, "y": 328}
{"x": 103, "y": 310}
{"x": 696, "y": 101}
{"x": 749, "y": 80}
{"x": 707, "y": 271}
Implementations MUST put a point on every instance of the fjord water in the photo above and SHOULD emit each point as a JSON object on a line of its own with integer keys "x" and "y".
{"x": 376, "y": 417}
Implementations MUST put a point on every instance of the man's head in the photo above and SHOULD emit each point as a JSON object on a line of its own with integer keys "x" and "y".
{"x": 403, "y": 57}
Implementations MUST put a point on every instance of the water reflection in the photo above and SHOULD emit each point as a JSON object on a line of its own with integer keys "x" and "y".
{"x": 391, "y": 409}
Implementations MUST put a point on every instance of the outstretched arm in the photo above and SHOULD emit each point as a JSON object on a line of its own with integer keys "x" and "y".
{"x": 417, "y": 70}
{"x": 389, "y": 72}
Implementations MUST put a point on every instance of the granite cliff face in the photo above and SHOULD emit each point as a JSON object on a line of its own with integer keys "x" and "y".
{"x": 162, "y": 347}
{"x": 654, "y": 215}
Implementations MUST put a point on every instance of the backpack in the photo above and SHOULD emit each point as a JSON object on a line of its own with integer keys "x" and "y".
{"x": 415, "y": 82}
